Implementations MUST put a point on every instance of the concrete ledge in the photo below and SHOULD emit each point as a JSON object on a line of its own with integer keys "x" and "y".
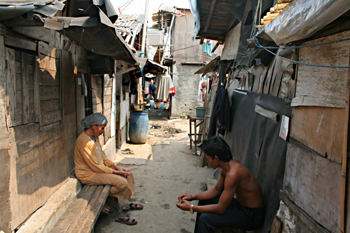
{"x": 45, "y": 217}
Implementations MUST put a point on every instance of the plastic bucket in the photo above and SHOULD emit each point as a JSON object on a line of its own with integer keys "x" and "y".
{"x": 138, "y": 127}
{"x": 200, "y": 111}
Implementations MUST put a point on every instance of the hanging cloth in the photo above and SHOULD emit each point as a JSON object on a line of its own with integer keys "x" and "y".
{"x": 163, "y": 84}
{"x": 200, "y": 95}
{"x": 221, "y": 113}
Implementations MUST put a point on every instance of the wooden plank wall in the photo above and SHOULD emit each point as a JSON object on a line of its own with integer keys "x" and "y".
{"x": 320, "y": 129}
{"x": 39, "y": 161}
{"x": 319, "y": 86}
{"x": 69, "y": 104}
{"x": 5, "y": 208}
{"x": 313, "y": 167}
{"x": 311, "y": 180}
{"x": 96, "y": 85}
{"x": 49, "y": 85}
{"x": 20, "y": 83}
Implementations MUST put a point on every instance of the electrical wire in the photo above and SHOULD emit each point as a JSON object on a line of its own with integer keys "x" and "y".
{"x": 298, "y": 62}
{"x": 186, "y": 47}
{"x": 128, "y": 3}
{"x": 125, "y": 3}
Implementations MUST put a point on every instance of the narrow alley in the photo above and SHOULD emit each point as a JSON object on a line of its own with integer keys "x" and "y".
{"x": 163, "y": 168}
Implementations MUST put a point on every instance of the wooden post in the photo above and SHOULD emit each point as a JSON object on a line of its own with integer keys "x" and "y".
{"x": 144, "y": 32}
{"x": 345, "y": 160}
{"x": 168, "y": 35}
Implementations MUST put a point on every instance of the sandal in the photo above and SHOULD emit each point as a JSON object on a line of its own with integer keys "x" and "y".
{"x": 126, "y": 220}
{"x": 133, "y": 206}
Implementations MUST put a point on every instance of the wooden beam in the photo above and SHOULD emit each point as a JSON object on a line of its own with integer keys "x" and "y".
{"x": 229, "y": 25}
{"x": 266, "y": 113}
{"x": 210, "y": 15}
{"x": 344, "y": 174}
{"x": 216, "y": 46}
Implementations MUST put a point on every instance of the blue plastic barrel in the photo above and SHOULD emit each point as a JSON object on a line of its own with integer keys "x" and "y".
{"x": 138, "y": 127}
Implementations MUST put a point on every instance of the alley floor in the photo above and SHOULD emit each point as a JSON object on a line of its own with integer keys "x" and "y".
{"x": 163, "y": 168}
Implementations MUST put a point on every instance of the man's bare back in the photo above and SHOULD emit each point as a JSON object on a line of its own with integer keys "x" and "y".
{"x": 248, "y": 192}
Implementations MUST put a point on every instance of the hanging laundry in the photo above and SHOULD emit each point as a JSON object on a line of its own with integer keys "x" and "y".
{"x": 220, "y": 113}
{"x": 200, "y": 96}
{"x": 202, "y": 88}
{"x": 147, "y": 87}
{"x": 207, "y": 47}
{"x": 163, "y": 84}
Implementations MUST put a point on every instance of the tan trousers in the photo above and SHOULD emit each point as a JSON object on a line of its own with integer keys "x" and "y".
{"x": 121, "y": 187}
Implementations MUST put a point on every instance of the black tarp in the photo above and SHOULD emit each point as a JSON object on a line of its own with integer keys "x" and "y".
{"x": 255, "y": 141}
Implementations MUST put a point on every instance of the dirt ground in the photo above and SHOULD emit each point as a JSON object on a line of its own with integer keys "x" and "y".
{"x": 163, "y": 168}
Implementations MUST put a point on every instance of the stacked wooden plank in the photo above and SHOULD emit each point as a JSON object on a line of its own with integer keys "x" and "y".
{"x": 84, "y": 211}
{"x": 275, "y": 11}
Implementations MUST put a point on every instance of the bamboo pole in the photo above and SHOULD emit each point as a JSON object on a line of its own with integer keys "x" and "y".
{"x": 345, "y": 160}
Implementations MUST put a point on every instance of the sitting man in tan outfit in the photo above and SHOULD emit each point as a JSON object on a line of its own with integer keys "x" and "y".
{"x": 93, "y": 168}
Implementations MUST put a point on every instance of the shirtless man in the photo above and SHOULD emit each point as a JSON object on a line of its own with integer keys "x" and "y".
{"x": 217, "y": 207}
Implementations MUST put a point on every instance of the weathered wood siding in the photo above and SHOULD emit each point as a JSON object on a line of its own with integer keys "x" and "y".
{"x": 321, "y": 129}
{"x": 314, "y": 158}
{"x": 5, "y": 220}
{"x": 107, "y": 104}
{"x": 39, "y": 126}
{"x": 313, "y": 183}
{"x": 318, "y": 86}
{"x": 96, "y": 85}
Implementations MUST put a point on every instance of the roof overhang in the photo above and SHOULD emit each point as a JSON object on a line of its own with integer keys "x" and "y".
{"x": 210, "y": 67}
{"x": 97, "y": 34}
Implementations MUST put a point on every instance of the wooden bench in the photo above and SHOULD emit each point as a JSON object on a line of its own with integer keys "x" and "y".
{"x": 82, "y": 213}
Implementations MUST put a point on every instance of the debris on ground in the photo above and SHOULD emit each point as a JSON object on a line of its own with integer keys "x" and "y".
{"x": 127, "y": 151}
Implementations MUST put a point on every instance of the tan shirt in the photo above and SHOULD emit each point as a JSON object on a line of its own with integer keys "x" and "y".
{"x": 89, "y": 158}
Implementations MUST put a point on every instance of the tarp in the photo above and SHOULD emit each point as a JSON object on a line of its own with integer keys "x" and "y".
{"x": 254, "y": 140}
{"x": 303, "y": 18}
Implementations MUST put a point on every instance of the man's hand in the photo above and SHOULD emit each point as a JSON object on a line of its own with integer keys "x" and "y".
{"x": 183, "y": 204}
{"x": 185, "y": 196}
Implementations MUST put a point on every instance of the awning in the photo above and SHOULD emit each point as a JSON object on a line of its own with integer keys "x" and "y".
{"x": 96, "y": 34}
{"x": 210, "y": 67}
{"x": 303, "y": 18}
